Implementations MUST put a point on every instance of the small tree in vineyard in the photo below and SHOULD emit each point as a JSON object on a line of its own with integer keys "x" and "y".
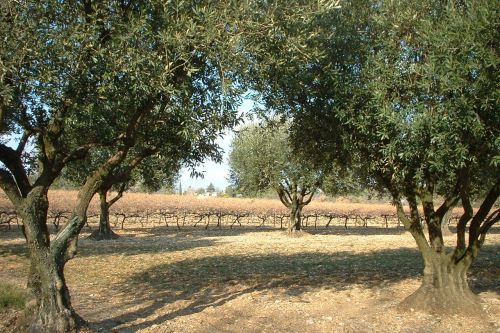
{"x": 261, "y": 159}
{"x": 140, "y": 168}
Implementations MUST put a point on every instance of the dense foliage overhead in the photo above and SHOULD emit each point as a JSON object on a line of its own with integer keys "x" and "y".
{"x": 306, "y": 66}
{"x": 88, "y": 65}
{"x": 428, "y": 101}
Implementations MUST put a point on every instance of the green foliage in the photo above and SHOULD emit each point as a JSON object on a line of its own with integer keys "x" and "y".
{"x": 210, "y": 188}
{"x": 262, "y": 158}
{"x": 403, "y": 92}
{"x": 11, "y": 296}
{"x": 91, "y": 66}
{"x": 427, "y": 108}
{"x": 87, "y": 79}
{"x": 342, "y": 182}
{"x": 306, "y": 69}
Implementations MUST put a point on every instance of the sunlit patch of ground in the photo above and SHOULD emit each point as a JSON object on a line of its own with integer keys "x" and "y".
{"x": 257, "y": 280}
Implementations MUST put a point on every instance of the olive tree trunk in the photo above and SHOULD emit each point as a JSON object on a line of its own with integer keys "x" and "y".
{"x": 48, "y": 307}
{"x": 295, "y": 200}
{"x": 104, "y": 231}
{"x": 444, "y": 287}
{"x": 295, "y": 206}
{"x": 295, "y": 220}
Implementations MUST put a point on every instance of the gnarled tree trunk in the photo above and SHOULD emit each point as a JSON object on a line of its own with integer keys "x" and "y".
{"x": 48, "y": 307}
{"x": 444, "y": 287}
{"x": 295, "y": 200}
{"x": 295, "y": 220}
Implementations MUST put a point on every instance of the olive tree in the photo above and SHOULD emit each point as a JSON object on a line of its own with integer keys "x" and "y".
{"x": 425, "y": 122}
{"x": 153, "y": 163}
{"x": 261, "y": 159}
{"x": 407, "y": 92}
{"x": 79, "y": 76}
{"x": 145, "y": 168}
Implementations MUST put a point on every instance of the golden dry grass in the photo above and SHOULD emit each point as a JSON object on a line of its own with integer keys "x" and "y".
{"x": 63, "y": 200}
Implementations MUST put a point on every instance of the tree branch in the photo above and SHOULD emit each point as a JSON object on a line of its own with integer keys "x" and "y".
{"x": 77, "y": 153}
{"x": 490, "y": 221}
{"x": 24, "y": 140}
{"x": 118, "y": 195}
{"x": 70, "y": 231}
{"x": 413, "y": 225}
{"x": 128, "y": 138}
{"x": 450, "y": 202}
{"x": 284, "y": 200}
{"x": 8, "y": 184}
{"x": 481, "y": 215}
{"x": 12, "y": 160}
{"x": 462, "y": 226}
{"x": 308, "y": 201}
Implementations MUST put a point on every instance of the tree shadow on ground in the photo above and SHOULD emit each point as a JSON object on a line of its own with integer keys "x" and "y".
{"x": 140, "y": 245}
{"x": 224, "y": 230}
{"x": 124, "y": 245}
{"x": 18, "y": 250}
{"x": 356, "y": 230}
{"x": 161, "y": 230}
{"x": 213, "y": 281}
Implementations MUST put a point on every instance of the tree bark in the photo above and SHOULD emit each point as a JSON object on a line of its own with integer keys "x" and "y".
{"x": 104, "y": 231}
{"x": 295, "y": 220}
{"x": 445, "y": 224}
{"x": 298, "y": 218}
{"x": 48, "y": 306}
{"x": 444, "y": 287}
{"x": 292, "y": 221}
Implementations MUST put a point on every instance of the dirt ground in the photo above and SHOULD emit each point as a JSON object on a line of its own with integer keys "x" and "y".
{"x": 256, "y": 280}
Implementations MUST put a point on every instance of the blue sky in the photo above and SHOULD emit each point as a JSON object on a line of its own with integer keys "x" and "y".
{"x": 216, "y": 174}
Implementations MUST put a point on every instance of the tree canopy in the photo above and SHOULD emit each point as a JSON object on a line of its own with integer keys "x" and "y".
{"x": 262, "y": 159}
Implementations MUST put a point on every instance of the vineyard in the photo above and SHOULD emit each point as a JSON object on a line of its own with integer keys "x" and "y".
{"x": 252, "y": 280}
{"x": 191, "y": 211}
{"x": 189, "y": 264}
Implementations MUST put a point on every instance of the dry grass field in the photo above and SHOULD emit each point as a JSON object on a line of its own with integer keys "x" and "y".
{"x": 162, "y": 209}
{"x": 248, "y": 279}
